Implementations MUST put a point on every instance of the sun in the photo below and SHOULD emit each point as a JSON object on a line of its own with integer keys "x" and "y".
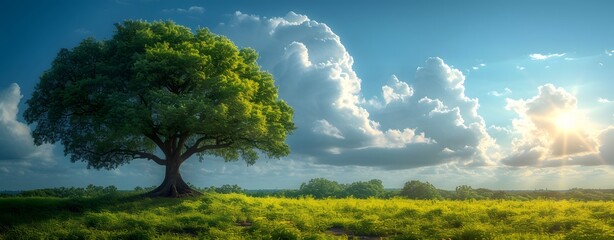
{"x": 566, "y": 121}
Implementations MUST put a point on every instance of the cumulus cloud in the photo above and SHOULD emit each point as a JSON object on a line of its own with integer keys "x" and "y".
{"x": 396, "y": 91}
{"x": 604, "y": 155}
{"x": 538, "y": 56}
{"x": 324, "y": 127}
{"x": 520, "y": 67}
{"x": 314, "y": 75}
{"x": 603, "y": 100}
{"x": 500, "y": 129}
{"x": 190, "y": 10}
{"x": 428, "y": 122}
{"x": 16, "y": 143}
{"x": 505, "y": 91}
{"x": 553, "y": 132}
{"x": 440, "y": 109}
{"x": 606, "y": 150}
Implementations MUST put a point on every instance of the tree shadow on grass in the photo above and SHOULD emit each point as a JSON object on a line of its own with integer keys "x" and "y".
{"x": 16, "y": 211}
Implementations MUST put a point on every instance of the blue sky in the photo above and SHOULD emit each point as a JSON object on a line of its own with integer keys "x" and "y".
{"x": 495, "y": 94}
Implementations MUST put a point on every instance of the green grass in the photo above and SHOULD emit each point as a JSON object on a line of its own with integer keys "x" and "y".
{"x": 236, "y": 216}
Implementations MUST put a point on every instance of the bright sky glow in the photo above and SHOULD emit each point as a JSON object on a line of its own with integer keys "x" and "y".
{"x": 566, "y": 121}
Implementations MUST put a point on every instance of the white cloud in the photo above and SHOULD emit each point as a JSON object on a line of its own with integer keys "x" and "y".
{"x": 552, "y": 132}
{"x": 500, "y": 129}
{"x": 603, "y": 100}
{"x": 481, "y": 65}
{"x": 190, "y": 10}
{"x": 603, "y": 154}
{"x": 324, "y": 127}
{"x": 609, "y": 52}
{"x": 411, "y": 126}
{"x": 196, "y": 9}
{"x": 519, "y": 67}
{"x": 396, "y": 91}
{"x": 538, "y": 56}
{"x": 506, "y": 91}
{"x": 16, "y": 144}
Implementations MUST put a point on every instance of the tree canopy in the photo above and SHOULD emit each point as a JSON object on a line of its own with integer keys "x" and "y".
{"x": 161, "y": 92}
{"x": 418, "y": 190}
{"x": 371, "y": 188}
{"x": 321, "y": 188}
{"x": 464, "y": 192}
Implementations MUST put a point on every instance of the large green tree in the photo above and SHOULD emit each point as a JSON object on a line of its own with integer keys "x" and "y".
{"x": 161, "y": 92}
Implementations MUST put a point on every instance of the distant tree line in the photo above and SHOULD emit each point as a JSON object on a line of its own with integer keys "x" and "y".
{"x": 71, "y": 192}
{"x": 226, "y": 188}
{"x": 323, "y": 188}
{"x": 320, "y": 188}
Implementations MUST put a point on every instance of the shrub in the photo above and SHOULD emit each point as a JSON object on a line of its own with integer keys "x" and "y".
{"x": 591, "y": 230}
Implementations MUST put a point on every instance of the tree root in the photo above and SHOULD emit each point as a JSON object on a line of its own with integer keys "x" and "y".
{"x": 173, "y": 191}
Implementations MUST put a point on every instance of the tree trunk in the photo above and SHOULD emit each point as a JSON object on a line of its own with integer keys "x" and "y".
{"x": 173, "y": 185}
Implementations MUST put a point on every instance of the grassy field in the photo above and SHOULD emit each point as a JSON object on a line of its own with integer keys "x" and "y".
{"x": 236, "y": 216}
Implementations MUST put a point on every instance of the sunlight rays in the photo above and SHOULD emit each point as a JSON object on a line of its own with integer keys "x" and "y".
{"x": 571, "y": 136}
{"x": 555, "y": 132}
{"x": 566, "y": 121}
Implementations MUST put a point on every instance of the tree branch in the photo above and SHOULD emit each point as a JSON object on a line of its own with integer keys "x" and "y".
{"x": 134, "y": 154}
{"x": 152, "y": 157}
{"x": 156, "y": 139}
{"x": 183, "y": 137}
{"x": 195, "y": 148}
